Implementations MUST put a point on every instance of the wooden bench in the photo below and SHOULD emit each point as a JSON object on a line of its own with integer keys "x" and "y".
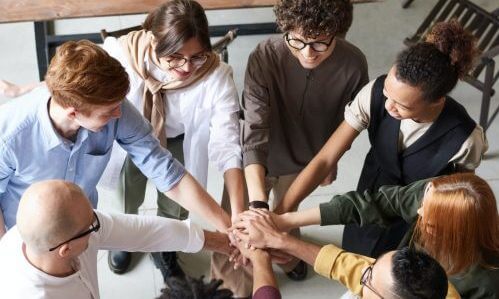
{"x": 484, "y": 26}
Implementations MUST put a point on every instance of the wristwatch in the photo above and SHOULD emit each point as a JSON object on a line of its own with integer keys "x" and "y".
{"x": 259, "y": 204}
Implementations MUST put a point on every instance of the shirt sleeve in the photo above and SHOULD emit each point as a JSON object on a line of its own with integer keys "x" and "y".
{"x": 224, "y": 146}
{"x": 471, "y": 152}
{"x": 358, "y": 112}
{"x": 267, "y": 292}
{"x": 381, "y": 207}
{"x": 255, "y": 130}
{"x": 345, "y": 267}
{"x": 147, "y": 233}
{"x": 156, "y": 163}
{"x": 6, "y": 167}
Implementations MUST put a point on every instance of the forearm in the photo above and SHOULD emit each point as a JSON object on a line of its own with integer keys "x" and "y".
{"x": 234, "y": 184}
{"x": 320, "y": 166}
{"x": 255, "y": 180}
{"x": 262, "y": 266}
{"x": 305, "y": 251}
{"x": 292, "y": 220}
{"x": 217, "y": 242}
{"x": 190, "y": 195}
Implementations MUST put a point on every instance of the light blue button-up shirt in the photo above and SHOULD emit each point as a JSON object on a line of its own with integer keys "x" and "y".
{"x": 31, "y": 150}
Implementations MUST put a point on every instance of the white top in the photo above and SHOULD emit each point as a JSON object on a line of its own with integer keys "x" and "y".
{"x": 358, "y": 115}
{"x": 207, "y": 112}
{"x": 22, "y": 280}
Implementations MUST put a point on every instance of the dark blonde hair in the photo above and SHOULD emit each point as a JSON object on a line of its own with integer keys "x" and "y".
{"x": 82, "y": 74}
{"x": 174, "y": 23}
{"x": 460, "y": 225}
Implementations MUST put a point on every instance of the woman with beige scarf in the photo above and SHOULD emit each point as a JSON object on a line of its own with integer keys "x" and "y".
{"x": 190, "y": 98}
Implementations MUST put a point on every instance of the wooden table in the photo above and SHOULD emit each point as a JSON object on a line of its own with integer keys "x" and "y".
{"x": 44, "y": 12}
{"x": 48, "y": 10}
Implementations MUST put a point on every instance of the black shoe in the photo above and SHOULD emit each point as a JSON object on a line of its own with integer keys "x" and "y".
{"x": 167, "y": 263}
{"x": 299, "y": 273}
{"x": 119, "y": 261}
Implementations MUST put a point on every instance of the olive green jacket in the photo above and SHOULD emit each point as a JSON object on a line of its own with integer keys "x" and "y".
{"x": 383, "y": 207}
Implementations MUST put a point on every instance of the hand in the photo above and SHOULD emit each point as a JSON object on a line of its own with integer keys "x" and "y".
{"x": 331, "y": 177}
{"x": 279, "y": 256}
{"x": 238, "y": 259}
{"x": 256, "y": 228}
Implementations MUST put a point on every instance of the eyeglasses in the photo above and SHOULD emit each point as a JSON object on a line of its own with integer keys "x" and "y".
{"x": 94, "y": 227}
{"x": 365, "y": 280}
{"x": 298, "y": 44}
{"x": 176, "y": 62}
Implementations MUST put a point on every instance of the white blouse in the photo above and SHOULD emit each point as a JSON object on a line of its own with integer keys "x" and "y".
{"x": 207, "y": 112}
{"x": 358, "y": 115}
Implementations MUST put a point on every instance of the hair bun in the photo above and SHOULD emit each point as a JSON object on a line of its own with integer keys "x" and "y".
{"x": 453, "y": 40}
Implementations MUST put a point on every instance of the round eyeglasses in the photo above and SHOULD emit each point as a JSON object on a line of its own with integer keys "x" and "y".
{"x": 365, "y": 280}
{"x": 299, "y": 44}
{"x": 176, "y": 61}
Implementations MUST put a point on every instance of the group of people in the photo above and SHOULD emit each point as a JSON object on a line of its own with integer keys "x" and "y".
{"x": 158, "y": 104}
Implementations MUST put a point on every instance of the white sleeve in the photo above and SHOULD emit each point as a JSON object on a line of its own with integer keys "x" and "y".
{"x": 471, "y": 152}
{"x": 358, "y": 111}
{"x": 224, "y": 146}
{"x": 147, "y": 233}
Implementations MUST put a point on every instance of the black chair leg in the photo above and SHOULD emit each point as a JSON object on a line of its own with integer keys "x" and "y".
{"x": 406, "y": 3}
{"x": 487, "y": 92}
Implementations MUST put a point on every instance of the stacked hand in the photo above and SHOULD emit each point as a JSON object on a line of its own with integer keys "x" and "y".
{"x": 256, "y": 229}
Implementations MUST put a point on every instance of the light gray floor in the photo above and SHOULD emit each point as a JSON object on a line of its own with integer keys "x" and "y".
{"x": 378, "y": 30}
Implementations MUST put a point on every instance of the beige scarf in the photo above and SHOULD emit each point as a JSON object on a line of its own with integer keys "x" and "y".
{"x": 138, "y": 46}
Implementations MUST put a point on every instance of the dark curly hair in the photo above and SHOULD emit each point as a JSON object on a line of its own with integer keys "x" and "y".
{"x": 314, "y": 17}
{"x": 435, "y": 65}
{"x": 417, "y": 275}
{"x": 185, "y": 287}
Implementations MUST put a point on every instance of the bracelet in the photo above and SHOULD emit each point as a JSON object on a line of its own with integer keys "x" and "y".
{"x": 259, "y": 204}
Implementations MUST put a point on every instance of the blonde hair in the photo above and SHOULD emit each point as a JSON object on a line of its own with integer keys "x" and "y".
{"x": 82, "y": 74}
{"x": 460, "y": 225}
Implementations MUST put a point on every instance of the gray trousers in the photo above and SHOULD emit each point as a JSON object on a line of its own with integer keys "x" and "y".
{"x": 133, "y": 187}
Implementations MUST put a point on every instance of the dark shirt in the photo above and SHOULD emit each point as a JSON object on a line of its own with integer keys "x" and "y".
{"x": 289, "y": 111}
{"x": 267, "y": 292}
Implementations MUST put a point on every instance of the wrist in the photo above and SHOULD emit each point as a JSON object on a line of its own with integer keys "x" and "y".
{"x": 259, "y": 204}
{"x": 279, "y": 241}
{"x": 286, "y": 222}
{"x": 260, "y": 256}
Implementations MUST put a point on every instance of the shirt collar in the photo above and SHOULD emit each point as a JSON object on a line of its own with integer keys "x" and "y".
{"x": 51, "y": 137}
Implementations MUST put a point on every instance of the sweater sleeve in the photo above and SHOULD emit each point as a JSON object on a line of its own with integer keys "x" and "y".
{"x": 345, "y": 267}
{"x": 255, "y": 128}
{"x": 381, "y": 207}
{"x": 267, "y": 292}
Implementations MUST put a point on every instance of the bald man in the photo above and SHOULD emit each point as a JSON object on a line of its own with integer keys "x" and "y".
{"x": 52, "y": 251}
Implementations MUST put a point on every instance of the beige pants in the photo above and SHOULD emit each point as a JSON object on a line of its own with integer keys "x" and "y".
{"x": 240, "y": 281}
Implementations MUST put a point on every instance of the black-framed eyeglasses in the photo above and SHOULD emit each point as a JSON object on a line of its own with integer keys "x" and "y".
{"x": 298, "y": 44}
{"x": 365, "y": 280}
{"x": 176, "y": 62}
{"x": 94, "y": 227}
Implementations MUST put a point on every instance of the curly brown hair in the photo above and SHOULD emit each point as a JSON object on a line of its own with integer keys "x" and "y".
{"x": 82, "y": 74}
{"x": 314, "y": 17}
{"x": 436, "y": 64}
{"x": 453, "y": 40}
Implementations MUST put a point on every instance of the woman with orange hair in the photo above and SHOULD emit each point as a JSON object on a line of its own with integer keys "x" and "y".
{"x": 454, "y": 218}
